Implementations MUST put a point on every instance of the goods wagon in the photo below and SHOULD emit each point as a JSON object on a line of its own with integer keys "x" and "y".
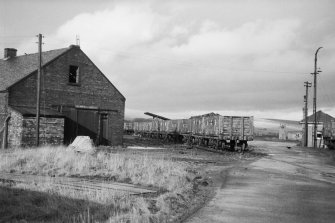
{"x": 209, "y": 130}
{"x": 216, "y": 130}
{"x": 237, "y": 128}
{"x": 184, "y": 126}
{"x": 207, "y": 125}
{"x": 128, "y": 127}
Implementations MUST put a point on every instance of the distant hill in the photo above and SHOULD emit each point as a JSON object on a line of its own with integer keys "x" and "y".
{"x": 289, "y": 122}
{"x": 270, "y": 127}
{"x": 138, "y": 120}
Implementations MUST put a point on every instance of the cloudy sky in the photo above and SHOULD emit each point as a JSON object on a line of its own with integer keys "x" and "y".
{"x": 179, "y": 58}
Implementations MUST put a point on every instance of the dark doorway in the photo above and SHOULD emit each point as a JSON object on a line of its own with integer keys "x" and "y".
{"x": 87, "y": 123}
{"x": 70, "y": 125}
{"x": 80, "y": 122}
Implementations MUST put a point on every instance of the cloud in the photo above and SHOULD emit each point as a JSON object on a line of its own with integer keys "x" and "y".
{"x": 179, "y": 60}
{"x": 252, "y": 38}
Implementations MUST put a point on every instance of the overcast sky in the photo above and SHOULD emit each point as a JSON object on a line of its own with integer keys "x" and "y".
{"x": 179, "y": 58}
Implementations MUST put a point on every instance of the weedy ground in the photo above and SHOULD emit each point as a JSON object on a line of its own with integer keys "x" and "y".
{"x": 45, "y": 202}
{"x": 181, "y": 175}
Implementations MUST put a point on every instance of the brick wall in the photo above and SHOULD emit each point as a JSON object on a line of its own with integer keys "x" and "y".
{"x": 94, "y": 89}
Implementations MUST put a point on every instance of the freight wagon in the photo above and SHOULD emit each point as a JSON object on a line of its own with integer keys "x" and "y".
{"x": 219, "y": 131}
{"x": 128, "y": 127}
{"x": 210, "y": 129}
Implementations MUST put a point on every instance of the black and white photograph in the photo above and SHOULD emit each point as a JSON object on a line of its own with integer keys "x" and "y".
{"x": 167, "y": 111}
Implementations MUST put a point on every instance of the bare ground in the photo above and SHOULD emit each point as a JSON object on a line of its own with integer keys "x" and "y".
{"x": 210, "y": 166}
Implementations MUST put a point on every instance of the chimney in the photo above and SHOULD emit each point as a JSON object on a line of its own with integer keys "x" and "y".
{"x": 10, "y": 52}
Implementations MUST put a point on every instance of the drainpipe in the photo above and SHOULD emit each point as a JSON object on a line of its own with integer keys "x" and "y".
{"x": 5, "y": 133}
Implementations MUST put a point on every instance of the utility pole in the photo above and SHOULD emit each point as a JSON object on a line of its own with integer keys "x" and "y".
{"x": 307, "y": 85}
{"x": 314, "y": 97}
{"x": 38, "y": 89}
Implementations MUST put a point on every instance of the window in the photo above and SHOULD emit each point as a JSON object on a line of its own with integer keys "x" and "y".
{"x": 74, "y": 75}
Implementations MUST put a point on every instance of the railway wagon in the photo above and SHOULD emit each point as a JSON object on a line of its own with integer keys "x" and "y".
{"x": 206, "y": 125}
{"x": 184, "y": 126}
{"x": 219, "y": 131}
{"x": 152, "y": 128}
{"x": 170, "y": 129}
{"x": 210, "y": 130}
{"x": 169, "y": 126}
{"x": 237, "y": 129}
{"x": 141, "y": 126}
{"x": 128, "y": 127}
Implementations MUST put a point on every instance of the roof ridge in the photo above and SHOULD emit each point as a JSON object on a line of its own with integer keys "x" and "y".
{"x": 29, "y": 54}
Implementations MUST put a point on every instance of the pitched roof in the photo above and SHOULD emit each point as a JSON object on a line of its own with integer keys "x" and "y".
{"x": 14, "y": 69}
{"x": 320, "y": 117}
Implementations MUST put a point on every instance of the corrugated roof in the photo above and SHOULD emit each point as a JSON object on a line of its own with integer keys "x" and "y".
{"x": 25, "y": 111}
{"x": 14, "y": 69}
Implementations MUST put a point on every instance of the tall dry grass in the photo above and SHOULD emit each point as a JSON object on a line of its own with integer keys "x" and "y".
{"x": 137, "y": 168}
{"x": 63, "y": 161}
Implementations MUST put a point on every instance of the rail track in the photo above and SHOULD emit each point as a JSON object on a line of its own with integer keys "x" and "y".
{"x": 81, "y": 184}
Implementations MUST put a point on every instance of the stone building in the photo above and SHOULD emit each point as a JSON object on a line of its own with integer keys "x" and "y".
{"x": 76, "y": 99}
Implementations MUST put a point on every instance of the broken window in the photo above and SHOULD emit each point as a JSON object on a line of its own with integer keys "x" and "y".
{"x": 74, "y": 74}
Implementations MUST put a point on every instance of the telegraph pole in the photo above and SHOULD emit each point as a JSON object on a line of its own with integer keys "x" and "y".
{"x": 307, "y": 85}
{"x": 38, "y": 89}
{"x": 314, "y": 97}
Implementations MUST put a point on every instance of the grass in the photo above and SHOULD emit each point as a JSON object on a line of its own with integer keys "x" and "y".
{"x": 97, "y": 206}
{"x": 62, "y": 161}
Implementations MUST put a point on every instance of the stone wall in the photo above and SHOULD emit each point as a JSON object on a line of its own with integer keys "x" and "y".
{"x": 51, "y": 131}
{"x": 93, "y": 90}
{"x": 15, "y": 129}
{"x": 3, "y": 107}
{"x": 22, "y": 130}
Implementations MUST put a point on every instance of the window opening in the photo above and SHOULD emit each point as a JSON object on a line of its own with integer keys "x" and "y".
{"x": 74, "y": 74}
